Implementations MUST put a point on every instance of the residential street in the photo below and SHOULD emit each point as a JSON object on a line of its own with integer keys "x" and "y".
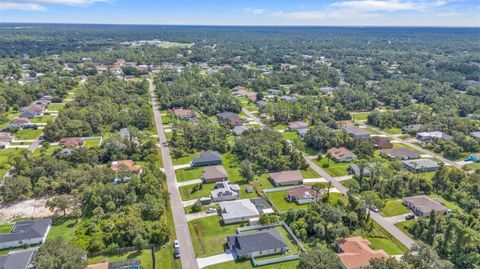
{"x": 187, "y": 254}
{"x": 253, "y": 117}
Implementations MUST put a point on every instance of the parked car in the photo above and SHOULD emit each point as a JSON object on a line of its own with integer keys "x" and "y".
{"x": 374, "y": 208}
{"x": 176, "y": 245}
{"x": 410, "y": 216}
{"x": 176, "y": 253}
{"x": 211, "y": 210}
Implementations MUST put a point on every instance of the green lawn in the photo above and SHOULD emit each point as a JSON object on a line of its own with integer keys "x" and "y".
{"x": 209, "y": 235}
{"x": 334, "y": 169}
{"x": 186, "y": 192}
{"x": 263, "y": 181}
{"x": 28, "y": 134}
{"x": 189, "y": 173}
{"x": 394, "y": 208}
{"x": 6, "y": 228}
{"x": 49, "y": 151}
{"x": 291, "y": 135}
{"x": 393, "y": 130}
{"x": 473, "y": 166}
{"x": 404, "y": 226}
{"x": 91, "y": 143}
{"x": 248, "y": 265}
{"x": 279, "y": 200}
{"x": 448, "y": 204}
{"x": 6, "y": 158}
{"x": 360, "y": 116}
{"x": 185, "y": 159}
{"x": 165, "y": 260}
{"x": 385, "y": 244}
{"x": 371, "y": 131}
{"x": 309, "y": 173}
{"x": 43, "y": 119}
{"x": 56, "y": 106}
{"x": 145, "y": 257}
{"x": 280, "y": 127}
{"x": 349, "y": 182}
{"x": 63, "y": 227}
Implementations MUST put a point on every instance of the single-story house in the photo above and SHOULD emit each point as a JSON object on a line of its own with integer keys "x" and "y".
{"x": 422, "y": 205}
{"x": 302, "y": 132}
{"x": 421, "y": 165}
{"x": 26, "y": 233}
{"x": 284, "y": 178}
{"x": 355, "y": 253}
{"x": 290, "y": 99}
{"x": 412, "y": 128}
{"x": 18, "y": 122}
{"x": 238, "y": 211}
{"x": 400, "y": 153}
{"x": 224, "y": 191}
{"x": 20, "y": 259}
{"x": 102, "y": 265}
{"x": 295, "y": 125}
{"x": 214, "y": 174}
{"x": 355, "y": 170}
{"x": 274, "y": 91}
{"x": 342, "y": 155}
{"x": 231, "y": 118}
{"x": 382, "y": 142}
{"x": 239, "y": 130}
{"x": 182, "y": 113}
{"x": 207, "y": 158}
{"x": 256, "y": 244}
{"x": 76, "y": 142}
{"x": 261, "y": 104}
{"x": 302, "y": 195}
{"x": 356, "y": 132}
{"x": 5, "y": 137}
{"x": 128, "y": 164}
{"x": 426, "y": 136}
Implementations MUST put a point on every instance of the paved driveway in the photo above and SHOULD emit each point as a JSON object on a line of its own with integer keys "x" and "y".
{"x": 180, "y": 166}
{"x": 314, "y": 180}
{"x": 199, "y": 215}
{"x": 190, "y": 182}
{"x": 216, "y": 259}
{"x": 396, "y": 219}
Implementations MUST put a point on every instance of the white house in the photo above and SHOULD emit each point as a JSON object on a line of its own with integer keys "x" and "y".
{"x": 238, "y": 211}
{"x": 26, "y": 233}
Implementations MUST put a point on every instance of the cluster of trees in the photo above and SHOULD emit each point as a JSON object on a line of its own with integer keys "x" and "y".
{"x": 202, "y": 135}
{"x": 101, "y": 105}
{"x": 267, "y": 150}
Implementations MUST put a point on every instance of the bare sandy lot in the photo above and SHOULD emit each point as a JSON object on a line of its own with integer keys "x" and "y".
{"x": 33, "y": 208}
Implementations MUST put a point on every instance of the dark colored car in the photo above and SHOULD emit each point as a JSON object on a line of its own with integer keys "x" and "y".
{"x": 410, "y": 216}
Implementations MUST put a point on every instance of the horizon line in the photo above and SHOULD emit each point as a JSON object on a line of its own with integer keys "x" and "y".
{"x": 248, "y": 25}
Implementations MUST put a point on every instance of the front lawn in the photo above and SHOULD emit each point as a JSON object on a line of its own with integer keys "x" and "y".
{"x": 25, "y": 134}
{"x": 43, "y": 119}
{"x": 209, "y": 235}
{"x": 63, "y": 227}
{"x": 385, "y": 244}
{"x": 404, "y": 226}
{"x": 309, "y": 173}
{"x": 360, "y": 116}
{"x": 279, "y": 200}
{"x": 263, "y": 181}
{"x": 189, "y": 173}
{"x": 248, "y": 265}
{"x": 333, "y": 168}
{"x": 450, "y": 205}
{"x": 393, "y": 131}
{"x": 188, "y": 193}
{"x": 185, "y": 159}
{"x": 91, "y": 143}
{"x": 394, "y": 208}
{"x": 55, "y": 106}
{"x": 291, "y": 135}
{"x": 280, "y": 127}
{"x": 145, "y": 257}
{"x": 45, "y": 151}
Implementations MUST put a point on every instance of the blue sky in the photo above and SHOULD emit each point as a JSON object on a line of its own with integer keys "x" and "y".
{"x": 246, "y": 12}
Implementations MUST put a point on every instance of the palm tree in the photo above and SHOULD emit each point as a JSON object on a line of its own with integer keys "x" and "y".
{"x": 317, "y": 187}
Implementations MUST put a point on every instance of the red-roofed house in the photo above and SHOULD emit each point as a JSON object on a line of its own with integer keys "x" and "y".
{"x": 355, "y": 253}
{"x": 342, "y": 155}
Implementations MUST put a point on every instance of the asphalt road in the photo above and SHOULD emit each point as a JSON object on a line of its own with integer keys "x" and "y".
{"x": 394, "y": 231}
{"x": 187, "y": 254}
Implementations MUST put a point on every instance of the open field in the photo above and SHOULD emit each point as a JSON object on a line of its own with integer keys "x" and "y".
{"x": 189, "y": 173}
{"x": 333, "y": 168}
{"x": 55, "y": 106}
{"x": 28, "y": 134}
{"x": 394, "y": 208}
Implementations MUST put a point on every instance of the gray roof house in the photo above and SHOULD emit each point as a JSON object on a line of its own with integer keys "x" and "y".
{"x": 400, "y": 153}
{"x": 421, "y": 165}
{"x": 224, "y": 191}
{"x": 302, "y": 132}
{"x": 256, "y": 244}
{"x": 422, "y": 205}
{"x": 238, "y": 211}
{"x": 296, "y": 125}
{"x": 355, "y": 169}
{"x": 239, "y": 130}
{"x": 475, "y": 134}
{"x": 26, "y": 233}
{"x": 356, "y": 132}
{"x": 261, "y": 104}
{"x": 207, "y": 158}
{"x": 22, "y": 259}
{"x": 425, "y": 136}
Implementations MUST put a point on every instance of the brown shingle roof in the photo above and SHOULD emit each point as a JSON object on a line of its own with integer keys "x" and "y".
{"x": 131, "y": 166}
{"x": 71, "y": 141}
{"x": 214, "y": 172}
{"x": 181, "y": 112}
{"x": 356, "y": 252}
{"x": 300, "y": 192}
{"x": 338, "y": 153}
{"x": 286, "y": 176}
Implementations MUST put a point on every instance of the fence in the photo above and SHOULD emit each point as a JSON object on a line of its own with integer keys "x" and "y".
{"x": 124, "y": 250}
{"x": 274, "y": 260}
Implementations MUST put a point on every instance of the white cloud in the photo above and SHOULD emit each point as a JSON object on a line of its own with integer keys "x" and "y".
{"x": 69, "y": 2}
{"x": 21, "y": 6}
{"x": 377, "y": 5}
{"x": 255, "y": 11}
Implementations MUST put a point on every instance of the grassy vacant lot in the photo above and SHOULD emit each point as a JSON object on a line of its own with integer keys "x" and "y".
{"x": 263, "y": 181}
{"x": 291, "y": 135}
{"x": 309, "y": 173}
{"x": 248, "y": 265}
{"x": 145, "y": 257}
{"x": 404, "y": 226}
{"x": 360, "y": 116}
{"x": 28, "y": 134}
{"x": 43, "y": 119}
{"x": 393, "y": 130}
{"x": 7, "y": 155}
{"x": 394, "y": 208}
{"x": 448, "y": 204}
{"x": 55, "y": 106}
{"x": 47, "y": 151}
{"x": 333, "y": 168}
{"x": 280, "y": 127}
{"x": 185, "y": 159}
{"x": 63, "y": 227}
{"x": 187, "y": 191}
{"x": 381, "y": 239}
{"x": 209, "y": 235}
{"x": 189, "y": 173}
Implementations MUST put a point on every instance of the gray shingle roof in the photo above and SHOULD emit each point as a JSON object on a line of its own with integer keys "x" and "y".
{"x": 247, "y": 243}
{"x": 27, "y": 230}
{"x": 208, "y": 156}
{"x": 18, "y": 259}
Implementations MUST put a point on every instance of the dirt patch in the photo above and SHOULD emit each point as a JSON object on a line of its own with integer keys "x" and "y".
{"x": 33, "y": 208}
